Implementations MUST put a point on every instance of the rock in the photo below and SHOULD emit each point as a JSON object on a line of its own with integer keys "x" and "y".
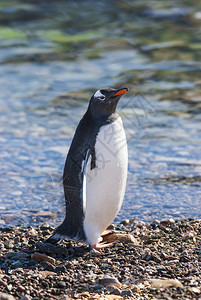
{"x": 17, "y": 264}
{"x": 172, "y": 262}
{"x": 126, "y": 293}
{"x": 26, "y": 297}
{"x": 8, "y": 244}
{"x": 117, "y": 291}
{"x": 121, "y": 237}
{"x": 172, "y": 223}
{"x": 47, "y": 273}
{"x": 98, "y": 287}
{"x": 165, "y": 283}
{"x": 4, "y": 296}
{"x": 17, "y": 255}
{"x": 41, "y": 257}
{"x": 188, "y": 235}
{"x": 111, "y": 227}
{"x": 32, "y": 263}
{"x": 155, "y": 258}
{"x": 125, "y": 222}
{"x": 45, "y": 214}
{"x": 194, "y": 289}
{"x": 155, "y": 224}
{"x": 21, "y": 289}
{"x": 63, "y": 297}
{"x": 94, "y": 253}
{"x": 107, "y": 280}
{"x": 47, "y": 266}
{"x": 113, "y": 290}
{"x": 61, "y": 284}
{"x": 3, "y": 283}
{"x": 52, "y": 249}
{"x": 60, "y": 269}
{"x": 112, "y": 297}
{"x": 31, "y": 232}
{"x": 139, "y": 224}
{"x": 9, "y": 287}
{"x": 110, "y": 288}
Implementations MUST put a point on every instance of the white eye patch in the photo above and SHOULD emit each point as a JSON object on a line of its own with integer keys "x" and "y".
{"x": 99, "y": 95}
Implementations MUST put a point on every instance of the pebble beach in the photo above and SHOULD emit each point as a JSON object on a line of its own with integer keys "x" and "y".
{"x": 158, "y": 260}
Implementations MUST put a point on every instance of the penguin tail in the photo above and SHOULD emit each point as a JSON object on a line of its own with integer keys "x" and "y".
{"x": 67, "y": 231}
{"x": 54, "y": 239}
{"x": 57, "y": 236}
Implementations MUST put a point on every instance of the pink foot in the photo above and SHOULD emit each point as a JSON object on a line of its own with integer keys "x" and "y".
{"x": 101, "y": 246}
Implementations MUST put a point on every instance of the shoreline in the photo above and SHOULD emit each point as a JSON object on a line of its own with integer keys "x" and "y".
{"x": 158, "y": 260}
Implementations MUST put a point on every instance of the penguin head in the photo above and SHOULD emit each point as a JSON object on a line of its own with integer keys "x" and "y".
{"x": 104, "y": 101}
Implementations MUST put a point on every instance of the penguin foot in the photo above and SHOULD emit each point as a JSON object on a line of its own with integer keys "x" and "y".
{"x": 101, "y": 246}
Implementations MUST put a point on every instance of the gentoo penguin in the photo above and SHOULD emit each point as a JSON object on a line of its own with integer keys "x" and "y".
{"x": 95, "y": 172}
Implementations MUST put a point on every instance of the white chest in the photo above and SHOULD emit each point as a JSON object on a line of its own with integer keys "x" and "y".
{"x": 105, "y": 184}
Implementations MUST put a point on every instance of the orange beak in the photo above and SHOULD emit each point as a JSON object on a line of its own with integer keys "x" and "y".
{"x": 120, "y": 92}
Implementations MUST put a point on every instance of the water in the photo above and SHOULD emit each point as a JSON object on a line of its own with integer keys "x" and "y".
{"x": 54, "y": 55}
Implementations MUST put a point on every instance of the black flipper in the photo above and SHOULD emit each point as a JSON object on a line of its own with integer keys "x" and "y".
{"x": 72, "y": 226}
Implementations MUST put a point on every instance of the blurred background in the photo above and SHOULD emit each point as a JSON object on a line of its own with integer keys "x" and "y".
{"x": 54, "y": 55}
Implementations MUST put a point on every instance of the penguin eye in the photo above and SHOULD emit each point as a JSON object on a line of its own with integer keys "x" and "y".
{"x": 102, "y": 97}
{"x": 98, "y": 95}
